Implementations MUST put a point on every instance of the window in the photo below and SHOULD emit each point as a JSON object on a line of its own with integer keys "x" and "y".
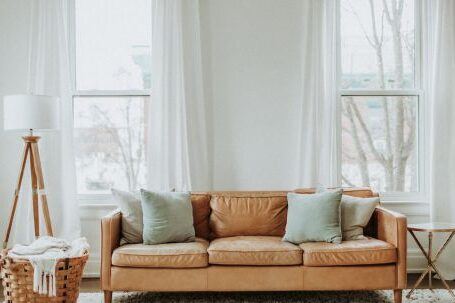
{"x": 113, "y": 40}
{"x": 380, "y": 95}
{"x": 111, "y": 62}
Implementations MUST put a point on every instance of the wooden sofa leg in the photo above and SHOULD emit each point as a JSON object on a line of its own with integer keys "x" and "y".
{"x": 397, "y": 295}
{"x": 107, "y": 296}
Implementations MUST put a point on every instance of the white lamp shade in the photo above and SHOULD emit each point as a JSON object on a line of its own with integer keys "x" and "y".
{"x": 24, "y": 112}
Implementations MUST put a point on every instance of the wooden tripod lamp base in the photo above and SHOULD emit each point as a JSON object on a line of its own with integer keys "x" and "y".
{"x": 31, "y": 153}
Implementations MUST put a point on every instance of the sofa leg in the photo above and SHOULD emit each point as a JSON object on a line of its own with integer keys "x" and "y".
{"x": 397, "y": 295}
{"x": 107, "y": 296}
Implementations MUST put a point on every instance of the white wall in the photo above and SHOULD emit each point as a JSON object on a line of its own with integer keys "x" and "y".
{"x": 251, "y": 64}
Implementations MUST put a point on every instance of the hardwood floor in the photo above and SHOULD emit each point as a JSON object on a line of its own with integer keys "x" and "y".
{"x": 412, "y": 278}
{"x": 90, "y": 285}
{"x": 93, "y": 285}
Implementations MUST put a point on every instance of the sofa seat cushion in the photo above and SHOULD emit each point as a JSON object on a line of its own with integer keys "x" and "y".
{"x": 253, "y": 250}
{"x": 169, "y": 255}
{"x": 357, "y": 252}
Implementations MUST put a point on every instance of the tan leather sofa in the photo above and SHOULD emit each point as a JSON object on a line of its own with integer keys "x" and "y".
{"x": 239, "y": 248}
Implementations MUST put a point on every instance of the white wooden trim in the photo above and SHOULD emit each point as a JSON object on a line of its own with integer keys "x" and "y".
{"x": 387, "y": 92}
{"x": 111, "y": 93}
{"x": 95, "y": 199}
{"x": 418, "y": 44}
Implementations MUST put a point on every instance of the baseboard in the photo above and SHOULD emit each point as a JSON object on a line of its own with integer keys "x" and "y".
{"x": 92, "y": 268}
{"x": 416, "y": 261}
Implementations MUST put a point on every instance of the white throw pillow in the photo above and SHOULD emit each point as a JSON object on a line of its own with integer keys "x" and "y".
{"x": 131, "y": 209}
{"x": 355, "y": 214}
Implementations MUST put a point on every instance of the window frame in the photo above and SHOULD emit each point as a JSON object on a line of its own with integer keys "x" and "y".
{"x": 420, "y": 196}
{"x": 95, "y": 198}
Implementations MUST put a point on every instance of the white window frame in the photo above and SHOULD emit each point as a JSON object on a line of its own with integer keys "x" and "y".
{"x": 420, "y": 196}
{"x": 100, "y": 198}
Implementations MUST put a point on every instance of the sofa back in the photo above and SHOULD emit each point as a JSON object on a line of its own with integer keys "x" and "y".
{"x": 201, "y": 214}
{"x": 250, "y": 213}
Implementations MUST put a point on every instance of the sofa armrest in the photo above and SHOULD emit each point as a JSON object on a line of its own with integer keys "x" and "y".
{"x": 111, "y": 227}
{"x": 392, "y": 228}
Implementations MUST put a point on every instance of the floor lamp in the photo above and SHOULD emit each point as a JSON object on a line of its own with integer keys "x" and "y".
{"x": 29, "y": 113}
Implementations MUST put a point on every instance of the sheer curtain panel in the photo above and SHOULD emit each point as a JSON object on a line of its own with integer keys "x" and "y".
{"x": 49, "y": 74}
{"x": 439, "y": 81}
{"x": 177, "y": 136}
{"x": 318, "y": 121}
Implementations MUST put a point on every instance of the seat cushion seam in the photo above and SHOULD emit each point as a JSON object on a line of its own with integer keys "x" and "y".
{"x": 348, "y": 251}
{"x": 163, "y": 255}
{"x": 255, "y": 251}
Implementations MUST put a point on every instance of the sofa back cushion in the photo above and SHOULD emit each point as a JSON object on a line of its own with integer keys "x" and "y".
{"x": 248, "y": 214}
{"x": 201, "y": 214}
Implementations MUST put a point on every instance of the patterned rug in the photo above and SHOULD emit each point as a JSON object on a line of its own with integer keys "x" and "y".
{"x": 420, "y": 296}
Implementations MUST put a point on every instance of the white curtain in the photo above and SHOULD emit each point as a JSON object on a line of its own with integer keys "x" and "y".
{"x": 49, "y": 74}
{"x": 177, "y": 137}
{"x": 439, "y": 81}
{"x": 318, "y": 137}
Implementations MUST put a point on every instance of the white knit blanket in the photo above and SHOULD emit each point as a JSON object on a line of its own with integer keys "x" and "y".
{"x": 43, "y": 254}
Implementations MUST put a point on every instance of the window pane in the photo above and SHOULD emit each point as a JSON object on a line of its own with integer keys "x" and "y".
{"x": 377, "y": 44}
{"x": 113, "y": 40}
{"x": 109, "y": 143}
{"x": 379, "y": 142}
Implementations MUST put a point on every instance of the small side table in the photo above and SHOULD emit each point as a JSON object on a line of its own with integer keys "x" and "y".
{"x": 431, "y": 228}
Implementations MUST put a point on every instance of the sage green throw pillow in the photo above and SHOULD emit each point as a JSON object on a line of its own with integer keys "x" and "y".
{"x": 314, "y": 217}
{"x": 355, "y": 215}
{"x": 167, "y": 217}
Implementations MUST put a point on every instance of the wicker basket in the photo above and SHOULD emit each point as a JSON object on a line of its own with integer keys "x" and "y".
{"x": 17, "y": 276}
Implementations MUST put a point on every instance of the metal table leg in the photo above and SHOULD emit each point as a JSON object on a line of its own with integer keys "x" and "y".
{"x": 430, "y": 255}
{"x": 431, "y": 262}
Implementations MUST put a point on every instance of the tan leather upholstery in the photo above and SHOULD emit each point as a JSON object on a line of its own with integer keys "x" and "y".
{"x": 159, "y": 279}
{"x": 254, "y": 278}
{"x": 253, "y": 250}
{"x": 170, "y": 255}
{"x": 110, "y": 240}
{"x": 392, "y": 228}
{"x": 248, "y": 214}
{"x": 367, "y": 277}
{"x": 201, "y": 214}
{"x": 358, "y": 252}
{"x": 233, "y": 217}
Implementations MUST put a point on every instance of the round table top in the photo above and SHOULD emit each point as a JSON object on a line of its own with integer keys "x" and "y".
{"x": 433, "y": 227}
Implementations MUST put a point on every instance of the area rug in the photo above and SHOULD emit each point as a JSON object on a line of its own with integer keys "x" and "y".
{"x": 420, "y": 296}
